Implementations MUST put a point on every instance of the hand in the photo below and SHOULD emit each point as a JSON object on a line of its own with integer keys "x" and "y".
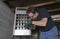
{"x": 28, "y": 22}
{"x": 31, "y": 27}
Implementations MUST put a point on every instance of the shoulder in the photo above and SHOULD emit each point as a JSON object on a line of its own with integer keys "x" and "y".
{"x": 43, "y": 12}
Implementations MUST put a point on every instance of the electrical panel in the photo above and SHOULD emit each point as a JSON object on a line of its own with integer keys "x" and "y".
{"x": 20, "y": 23}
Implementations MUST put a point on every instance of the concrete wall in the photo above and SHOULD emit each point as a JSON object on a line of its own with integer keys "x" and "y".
{"x": 6, "y": 21}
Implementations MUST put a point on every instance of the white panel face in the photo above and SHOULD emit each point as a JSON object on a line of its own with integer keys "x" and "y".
{"x": 21, "y": 12}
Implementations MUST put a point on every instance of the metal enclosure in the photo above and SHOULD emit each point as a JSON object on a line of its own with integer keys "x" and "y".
{"x": 20, "y": 23}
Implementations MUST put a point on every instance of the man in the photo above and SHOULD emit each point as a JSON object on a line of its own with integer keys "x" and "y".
{"x": 44, "y": 22}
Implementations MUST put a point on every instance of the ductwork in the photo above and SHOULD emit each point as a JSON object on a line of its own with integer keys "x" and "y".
{"x": 6, "y": 21}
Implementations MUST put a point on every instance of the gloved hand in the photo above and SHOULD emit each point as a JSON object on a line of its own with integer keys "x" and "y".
{"x": 28, "y": 22}
{"x": 29, "y": 25}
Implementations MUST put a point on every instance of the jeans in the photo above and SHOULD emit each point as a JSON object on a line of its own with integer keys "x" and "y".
{"x": 51, "y": 34}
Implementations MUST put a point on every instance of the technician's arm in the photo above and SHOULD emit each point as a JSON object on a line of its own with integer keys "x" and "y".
{"x": 42, "y": 22}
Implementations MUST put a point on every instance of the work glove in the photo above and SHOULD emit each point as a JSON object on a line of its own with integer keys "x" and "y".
{"x": 28, "y": 22}
{"x": 29, "y": 25}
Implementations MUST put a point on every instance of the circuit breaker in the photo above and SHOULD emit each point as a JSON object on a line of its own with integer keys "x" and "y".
{"x": 20, "y": 23}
